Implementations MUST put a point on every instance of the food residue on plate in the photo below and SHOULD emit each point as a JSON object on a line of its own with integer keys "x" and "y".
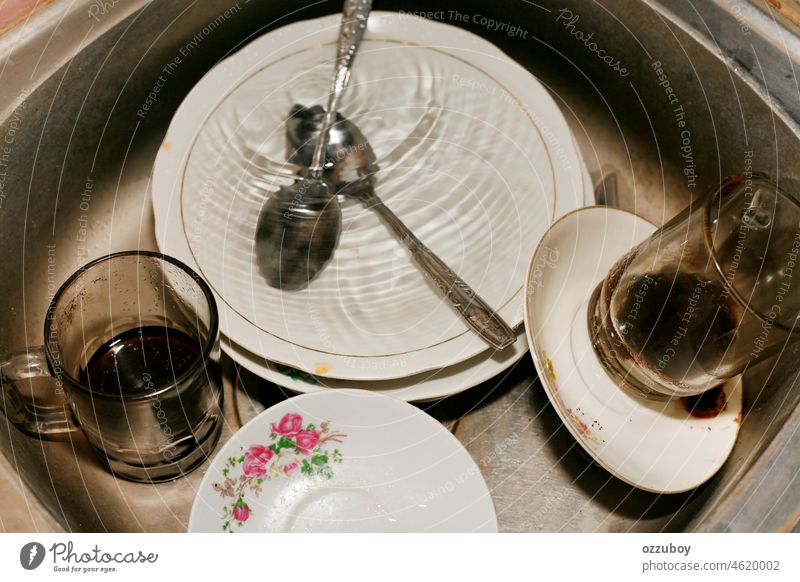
{"x": 550, "y": 369}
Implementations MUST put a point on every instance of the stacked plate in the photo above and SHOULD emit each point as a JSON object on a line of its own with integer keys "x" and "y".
{"x": 475, "y": 158}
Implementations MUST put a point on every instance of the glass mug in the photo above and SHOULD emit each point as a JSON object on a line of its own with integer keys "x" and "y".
{"x": 714, "y": 290}
{"x": 132, "y": 341}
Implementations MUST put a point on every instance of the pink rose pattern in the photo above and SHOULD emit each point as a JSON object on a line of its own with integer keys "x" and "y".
{"x": 289, "y": 425}
{"x": 255, "y": 461}
{"x": 241, "y": 512}
{"x": 293, "y": 449}
{"x": 307, "y": 440}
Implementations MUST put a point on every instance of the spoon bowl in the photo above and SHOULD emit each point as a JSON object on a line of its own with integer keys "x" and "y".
{"x": 297, "y": 233}
{"x": 298, "y": 226}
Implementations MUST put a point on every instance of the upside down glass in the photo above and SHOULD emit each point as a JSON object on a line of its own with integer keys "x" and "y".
{"x": 713, "y": 291}
{"x": 132, "y": 341}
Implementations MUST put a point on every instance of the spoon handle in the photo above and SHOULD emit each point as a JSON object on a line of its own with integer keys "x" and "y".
{"x": 354, "y": 22}
{"x": 475, "y": 311}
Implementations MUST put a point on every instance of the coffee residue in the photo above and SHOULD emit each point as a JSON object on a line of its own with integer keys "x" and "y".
{"x": 706, "y": 405}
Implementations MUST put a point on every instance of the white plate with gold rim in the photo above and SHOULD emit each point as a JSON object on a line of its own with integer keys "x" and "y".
{"x": 343, "y": 461}
{"x": 430, "y": 385}
{"x": 653, "y": 445}
{"x": 476, "y": 158}
{"x": 426, "y": 386}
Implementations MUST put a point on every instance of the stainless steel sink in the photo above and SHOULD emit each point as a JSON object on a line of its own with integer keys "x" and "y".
{"x": 77, "y": 146}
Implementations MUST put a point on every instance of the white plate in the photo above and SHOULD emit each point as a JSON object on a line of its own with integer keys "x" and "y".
{"x": 462, "y": 191}
{"x": 656, "y": 446}
{"x": 348, "y": 460}
{"x": 430, "y": 385}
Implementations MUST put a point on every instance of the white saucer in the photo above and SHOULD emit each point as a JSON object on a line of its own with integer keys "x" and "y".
{"x": 656, "y": 446}
{"x": 370, "y": 315}
{"x": 368, "y": 463}
{"x": 431, "y": 385}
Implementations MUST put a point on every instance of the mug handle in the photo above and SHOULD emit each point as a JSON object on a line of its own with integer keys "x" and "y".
{"x": 35, "y": 419}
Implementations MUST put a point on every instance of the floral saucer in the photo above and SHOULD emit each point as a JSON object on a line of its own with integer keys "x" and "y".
{"x": 343, "y": 461}
{"x": 657, "y": 446}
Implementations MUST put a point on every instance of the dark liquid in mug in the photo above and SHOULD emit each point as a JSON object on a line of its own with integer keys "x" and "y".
{"x": 677, "y": 324}
{"x": 140, "y": 360}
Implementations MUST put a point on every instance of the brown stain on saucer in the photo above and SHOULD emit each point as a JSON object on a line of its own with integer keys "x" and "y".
{"x": 708, "y": 404}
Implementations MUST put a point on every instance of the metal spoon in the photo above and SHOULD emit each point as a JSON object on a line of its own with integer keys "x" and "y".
{"x": 298, "y": 227}
{"x": 351, "y": 167}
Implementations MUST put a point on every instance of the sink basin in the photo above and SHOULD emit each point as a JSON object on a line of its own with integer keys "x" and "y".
{"x": 648, "y": 94}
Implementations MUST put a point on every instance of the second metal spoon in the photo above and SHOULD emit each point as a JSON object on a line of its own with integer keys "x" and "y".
{"x": 350, "y": 168}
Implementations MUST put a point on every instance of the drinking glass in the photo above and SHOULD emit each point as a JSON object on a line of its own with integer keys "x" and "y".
{"x": 147, "y": 426}
{"x": 711, "y": 292}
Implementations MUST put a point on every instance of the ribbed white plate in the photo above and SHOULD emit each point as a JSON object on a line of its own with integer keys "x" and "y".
{"x": 476, "y": 158}
{"x": 425, "y": 386}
